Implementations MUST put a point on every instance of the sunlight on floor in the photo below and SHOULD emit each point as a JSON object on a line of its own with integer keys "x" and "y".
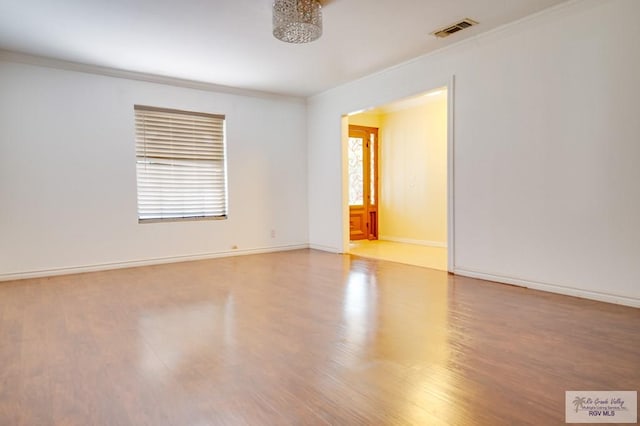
{"x": 428, "y": 257}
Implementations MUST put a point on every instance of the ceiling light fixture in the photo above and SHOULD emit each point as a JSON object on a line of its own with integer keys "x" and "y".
{"x": 297, "y": 21}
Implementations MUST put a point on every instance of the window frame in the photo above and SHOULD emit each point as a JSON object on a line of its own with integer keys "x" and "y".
{"x": 219, "y": 144}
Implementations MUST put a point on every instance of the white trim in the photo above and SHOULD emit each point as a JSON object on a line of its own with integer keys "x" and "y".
{"x": 47, "y": 62}
{"x": 451, "y": 264}
{"x": 344, "y": 181}
{"x": 145, "y": 262}
{"x": 325, "y": 248}
{"x": 552, "y": 288}
{"x": 412, "y": 241}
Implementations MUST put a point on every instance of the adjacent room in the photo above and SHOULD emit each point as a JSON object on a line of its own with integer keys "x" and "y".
{"x": 272, "y": 212}
{"x": 402, "y": 176}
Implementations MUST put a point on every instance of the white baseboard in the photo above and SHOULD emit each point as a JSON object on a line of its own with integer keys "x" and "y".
{"x": 324, "y": 248}
{"x": 411, "y": 241}
{"x": 145, "y": 262}
{"x": 552, "y": 288}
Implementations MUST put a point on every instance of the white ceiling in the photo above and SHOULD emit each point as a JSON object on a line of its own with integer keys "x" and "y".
{"x": 229, "y": 42}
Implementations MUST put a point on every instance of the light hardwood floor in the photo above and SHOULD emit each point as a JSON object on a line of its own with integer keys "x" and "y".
{"x": 411, "y": 254}
{"x": 301, "y": 337}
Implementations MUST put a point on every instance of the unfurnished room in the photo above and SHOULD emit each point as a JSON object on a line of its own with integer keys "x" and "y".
{"x": 319, "y": 212}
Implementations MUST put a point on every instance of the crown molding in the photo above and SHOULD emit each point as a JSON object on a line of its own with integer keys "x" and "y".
{"x": 48, "y": 62}
{"x": 517, "y": 25}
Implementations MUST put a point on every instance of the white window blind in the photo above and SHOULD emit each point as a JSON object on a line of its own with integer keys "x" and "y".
{"x": 180, "y": 160}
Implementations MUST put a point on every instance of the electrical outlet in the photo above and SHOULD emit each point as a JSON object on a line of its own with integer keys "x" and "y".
{"x": 273, "y": 233}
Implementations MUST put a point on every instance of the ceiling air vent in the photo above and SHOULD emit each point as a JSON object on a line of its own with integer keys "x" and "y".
{"x": 454, "y": 28}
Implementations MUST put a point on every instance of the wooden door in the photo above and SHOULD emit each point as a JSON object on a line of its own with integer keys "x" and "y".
{"x": 363, "y": 183}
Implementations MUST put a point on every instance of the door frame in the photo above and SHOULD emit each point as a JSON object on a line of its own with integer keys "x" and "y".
{"x": 450, "y": 85}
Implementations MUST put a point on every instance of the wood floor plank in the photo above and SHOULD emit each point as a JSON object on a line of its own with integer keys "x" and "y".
{"x": 301, "y": 337}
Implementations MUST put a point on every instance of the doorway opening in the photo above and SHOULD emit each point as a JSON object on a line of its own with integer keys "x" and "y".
{"x": 398, "y": 178}
{"x": 363, "y": 182}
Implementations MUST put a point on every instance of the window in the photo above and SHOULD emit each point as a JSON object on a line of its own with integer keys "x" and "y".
{"x": 180, "y": 162}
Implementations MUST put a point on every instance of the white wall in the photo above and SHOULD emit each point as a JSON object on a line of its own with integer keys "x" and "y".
{"x": 546, "y": 152}
{"x": 413, "y": 173}
{"x": 68, "y": 182}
